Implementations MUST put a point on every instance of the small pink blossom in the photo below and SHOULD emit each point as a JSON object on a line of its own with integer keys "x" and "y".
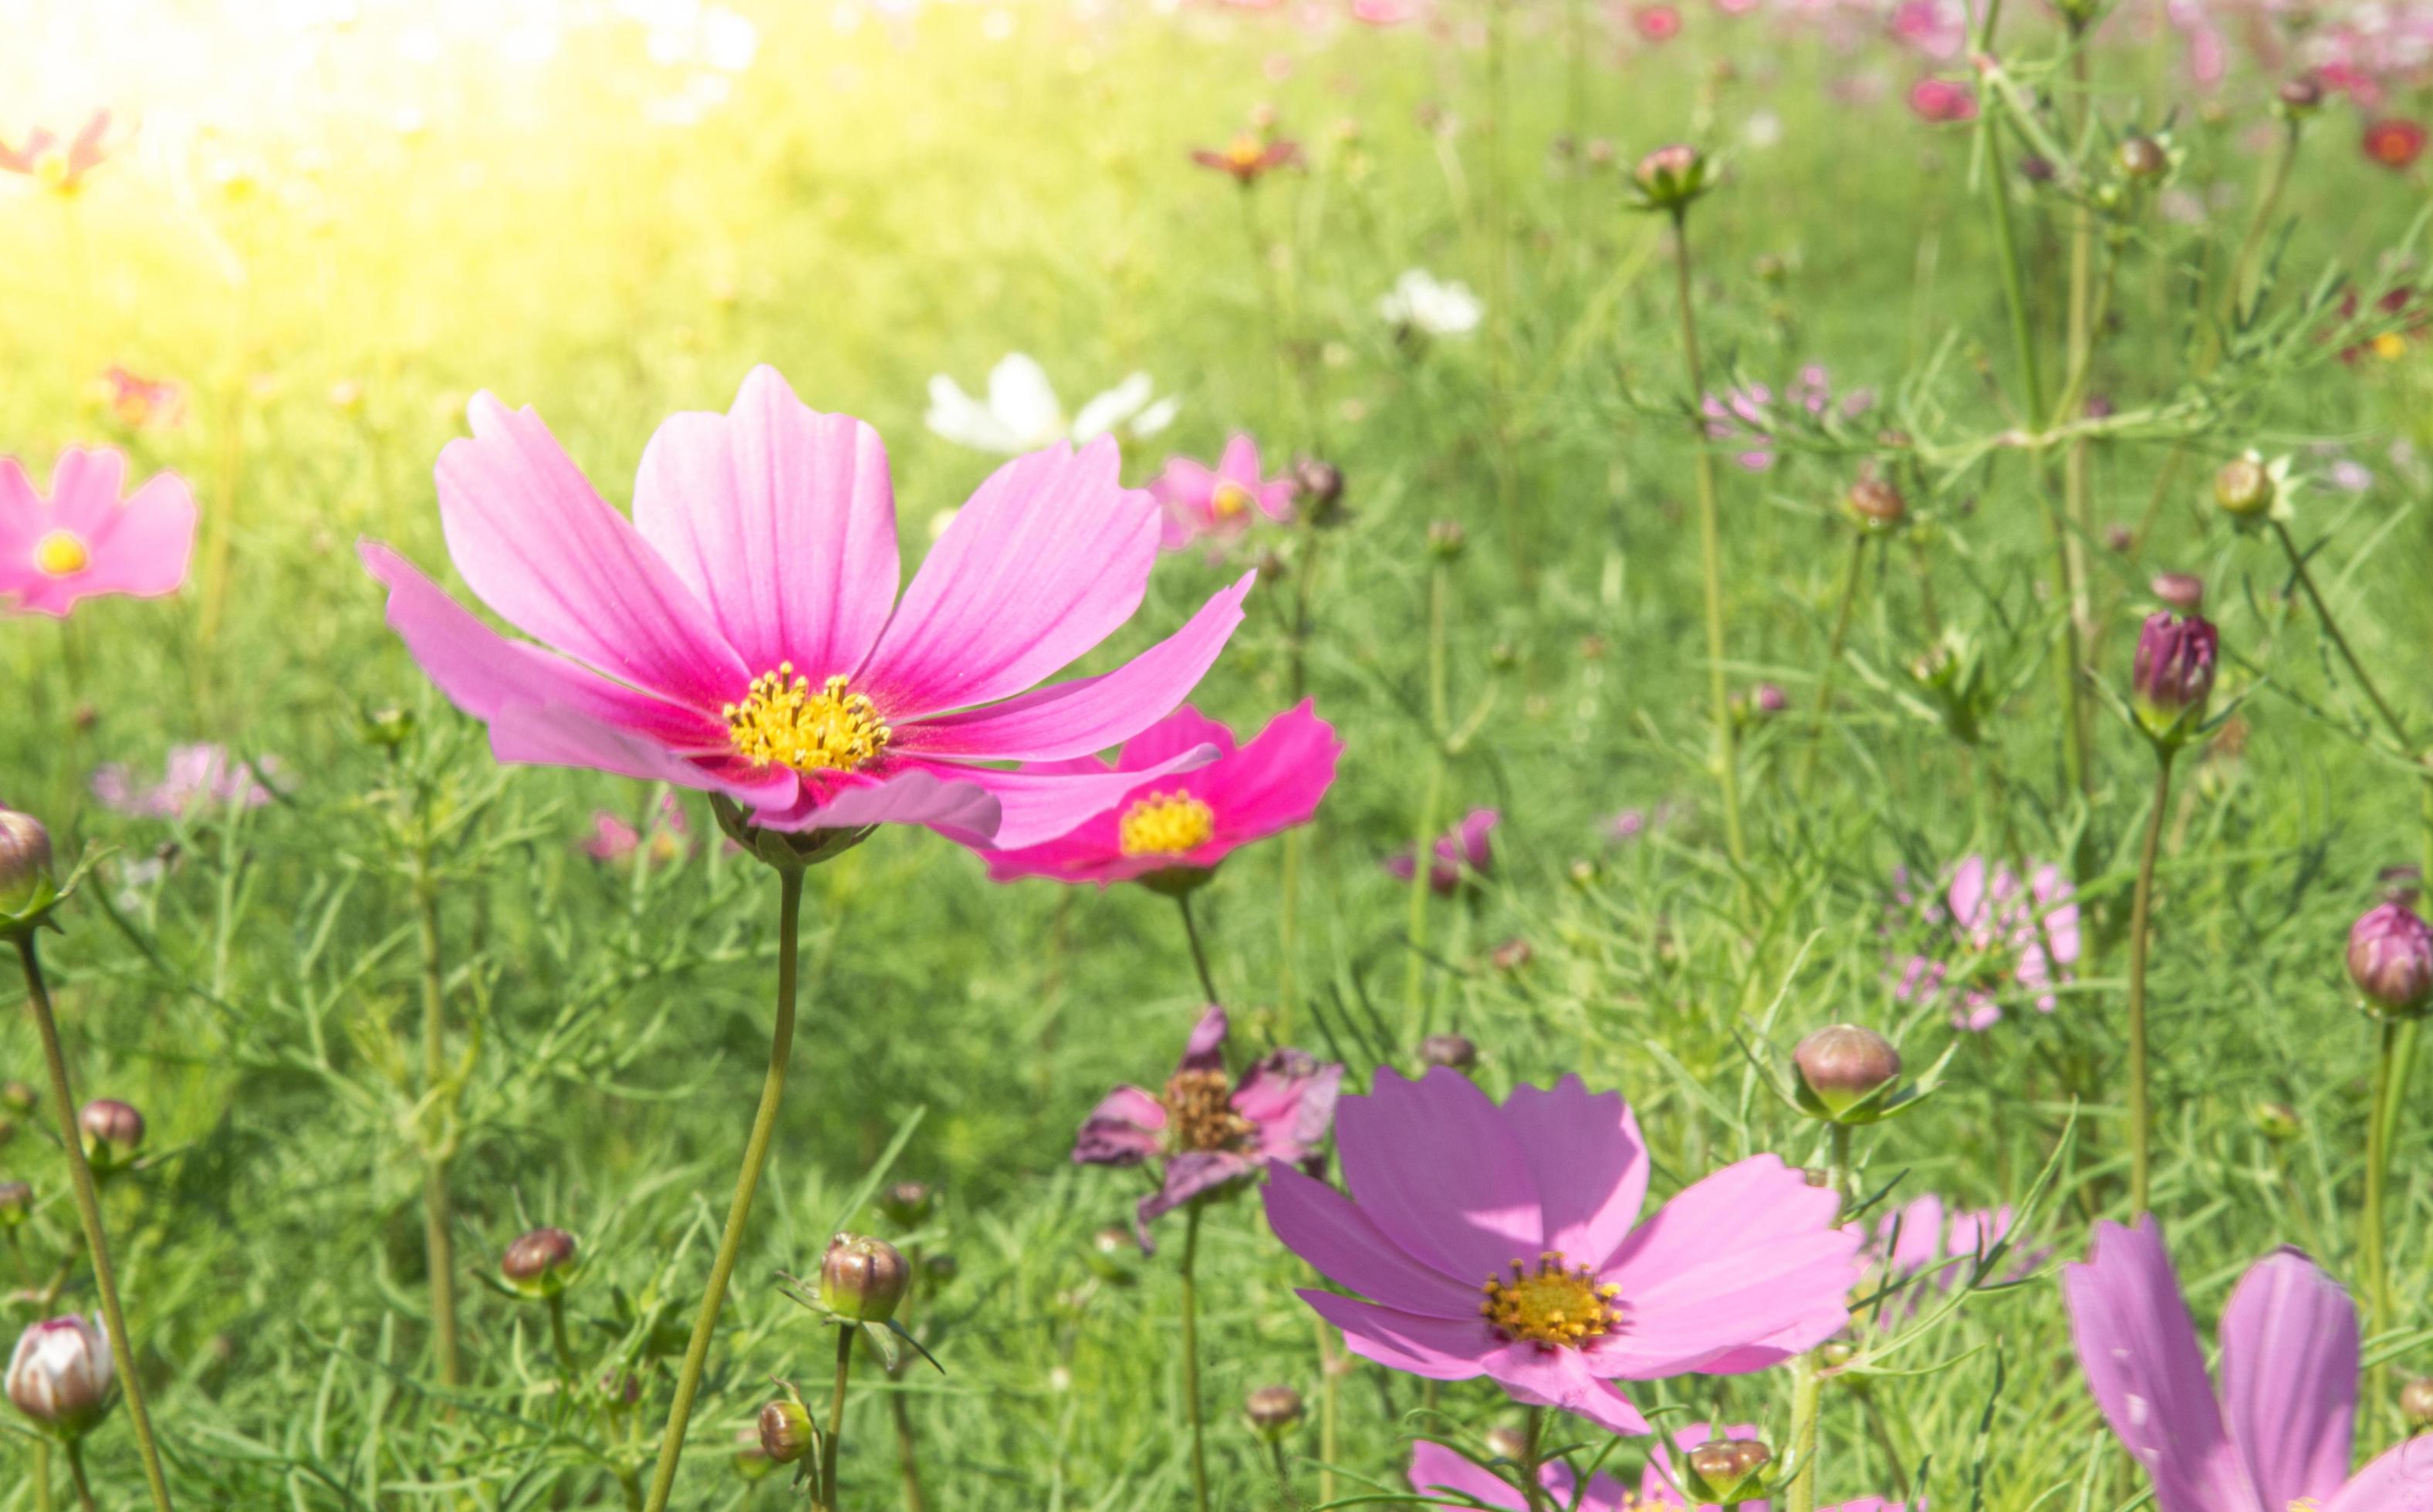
{"x": 140, "y": 403}
{"x": 1936, "y": 28}
{"x": 1463, "y": 851}
{"x": 196, "y": 779}
{"x": 82, "y": 542}
{"x": 59, "y": 164}
{"x": 1989, "y": 948}
{"x": 1220, "y": 502}
{"x": 1941, "y": 102}
{"x": 612, "y": 838}
{"x": 1656, "y": 23}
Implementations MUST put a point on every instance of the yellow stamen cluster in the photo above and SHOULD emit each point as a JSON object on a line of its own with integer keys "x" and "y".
{"x": 1246, "y": 151}
{"x": 1200, "y": 1113}
{"x": 1552, "y": 1304}
{"x": 63, "y": 553}
{"x": 782, "y": 719}
{"x": 53, "y": 172}
{"x": 1230, "y": 502}
{"x": 1166, "y": 824}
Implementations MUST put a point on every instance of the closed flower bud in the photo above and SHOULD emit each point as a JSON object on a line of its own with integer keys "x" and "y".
{"x": 941, "y": 1268}
{"x": 16, "y": 1096}
{"x": 785, "y": 1430}
{"x": 907, "y": 1204}
{"x": 16, "y": 1203}
{"x": 60, "y": 1375}
{"x": 1273, "y": 1410}
{"x": 1728, "y": 1471}
{"x": 2391, "y": 959}
{"x": 1873, "y": 503}
{"x": 2183, "y": 591}
{"x": 1449, "y": 1051}
{"x": 2171, "y": 679}
{"x": 2244, "y": 487}
{"x": 2416, "y": 1403}
{"x": 114, "y": 1132}
{"x": 1320, "y": 485}
{"x": 2276, "y": 1121}
{"x": 28, "y": 885}
{"x": 1842, "y": 1065}
{"x": 2142, "y": 157}
{"x": 2298, "y": 96}
{"x": 539, "y": 1263}
{"x": 1671, "y": 177}
{"x": 1446, "y": 539}
{"x": 862, "y": 1278}
{"x": 1514, "y": 953}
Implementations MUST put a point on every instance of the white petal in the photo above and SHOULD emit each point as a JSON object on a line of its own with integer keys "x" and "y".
{"x": 965, "y": 421}
{"x": 1113, "y": 408}
{"x": 1024, "y": 402}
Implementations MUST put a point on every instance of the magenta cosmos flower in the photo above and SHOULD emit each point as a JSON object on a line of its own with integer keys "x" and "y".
{"x": 55, "y": 161}
{"x": 1210, "y": 1131}
{"x": 1174, "y": 830}
{"x": 741, "y": 633}
{"x": 1998, "y": 942}
{"x": 1219, "y": 502}
{"x": 2278, "y": 1435}
{"x": 82, "y": 542}
{"x": 613, "y": 839}
{"x": 196, "y": 777}
{"x": 1506, "y": 1242}
{"x": 1463, "y": 851}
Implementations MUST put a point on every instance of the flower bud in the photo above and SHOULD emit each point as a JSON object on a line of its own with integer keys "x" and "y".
{"x": 16, "y": 1203}
{"x": 2244, "y": 487}
{"x": 1873, "y": 503}
{"x": 114, "y": 1132}
{"x": 2391, "y": 959}
{"x": 16, "y": 1096}
{"x": 2400, "y": 883}
{"x": 1446, "y": 539}
{"x": 2300, "y": 96}
{"x": 1319, "y": 484}
{"x": 2183, "y": 591}
{"x": 1273, "y": 1410}
{"x": 1842, "y": 1065}
{"x": 2416, "y": 1403}
{"x": 785, "y": 1430}
{"x": 1506, "y": 1443}
{"x": 941, "y": 1268}
{"x": 539, "y": 1263}
{"x": 2276, "y": 1121}
{"x": 2171, "y": 679}
{"x": 2037, "y": 170}
{"x": 1514, "y": 953}
{"x": 2141, "y": 158}
{"x": 1454, "y": 1051}
{"x": 908, "y": 1204}
{"x": 28, "y": 885}
{"x": 1729, "y": 1471}
{"x": 1671, "y": 177}
{"x": 862, "y": 1279}
{"x": 60, "y": 1375}
{"x": 1770, "y": 700}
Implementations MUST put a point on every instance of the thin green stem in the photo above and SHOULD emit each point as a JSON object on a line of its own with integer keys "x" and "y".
{"x": 1833, "y": 660}
{"x": 907, "y": 1453}
{"x": 88, "y": 1201}
{"x": 2373, "y": 1262}
{"x": 41, "y": 1476}
{"x": 2331, "y": 627}
{"x": 747, "y": 1181}
{"x": 1284, "y": 1475}
{"x": 1710, "y": 555}
{"x": 75, "y": 1473}
{"x": 438, "y": 1242}
{"x": 1191, "y": 1357}
{"x": 1424, "y": 859}
{"x": 828, "y": 1446}
{"x": 2141, "y": 1114}
{"x": 1198, "y": 952}
{"x": 1807, "y": 1372}
{"x": 558, "y": 1341}
{"x": 2237, "y": 300}
{"x": 1533, "y": 1440}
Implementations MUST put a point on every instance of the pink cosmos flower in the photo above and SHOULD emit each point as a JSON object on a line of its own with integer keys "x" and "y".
{"x": 59, "y": 164}
{"x": 1506, "y": 1242}
{"x": 1937, "y": 29}
{"x": 141, "y": 402}
{"x": 1219, "y": 502}
{"x": 742, "y": 635}
{"x": 2278, "y": 1434}
{"x": 2393, "y": 141}
{"x": 612, "y": 838}
{"x": 1210, "y": 1131}
{"x": 1174, "y": 831}
{"x": 1999, "y": 942}
{"x": 1656, "y": 23}
{"x": 82, "y": 542}
{"x": 196, "y": 779}
{"x": 1385, "y": 12}
{"x": 1925, "y": 1242}
{"x": 1941, "y": 102}
{"x": 1463, "y": 851}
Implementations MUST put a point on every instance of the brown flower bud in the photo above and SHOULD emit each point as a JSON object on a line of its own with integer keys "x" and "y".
{"x": 113, "y": 1130}
{"x": 2142, "y": 157}
{"x": 1451, "y": 1050}
{"x": 537, "y": 1263}
{"x": 785, "y": 1430}
{"x": 862, "y": 1278}
{"x": 1273, "y": 1410}
{"x": 2416, "y": 1403}
{"x": 2183, "y": 591}
{"x": 1843, "y": 1064}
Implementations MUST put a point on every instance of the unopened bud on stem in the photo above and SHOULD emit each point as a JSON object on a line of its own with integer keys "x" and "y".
{"x": 1843, "y": 1065}
{"x": 785, "y": 1430}
{"x": 862, "y": 1278}
{"x": 539, "y": 1263}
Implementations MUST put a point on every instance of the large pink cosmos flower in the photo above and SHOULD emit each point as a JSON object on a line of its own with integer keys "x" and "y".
{"x": 59, "y": 164}
{"x": 1506, "y": 1242}
{"x": 1175, "y": 830}
{"x": 1463, "y": 851}
{"x": 83, "y": 543}
{"x": 2278, "y": 1435}
{"x": 197, "y": 777}
{"x": 1999, "y": 941}
{"x": 741, "y": 633}
{"x": 1211, "y": 1132}
{"x": 1435, "y": 1467}
{"x": 1219, "y": 502}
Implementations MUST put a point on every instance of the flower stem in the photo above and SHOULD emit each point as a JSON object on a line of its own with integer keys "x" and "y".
{"x": 1807, "y": 1380}
{"x": 41, "y": 1476}
{"x": 1284, "y": 1475}
{"x": 438, "y": 1243}
{"x": 122, "y": 1345}
{"x": 835, "y": 1416}
{"x": 1198, "y": 952}
{"x": 1191, "y": 1357}
{"x": 558, "y": 1341}
{"x": 747, "y": 1181}
{"x": 2141, "y": 1113}
{"x": 2331, "y": 627}
{"x": 2395, "y": 1055}
{"x": 1726, "y": 754}
{"x": 1834, "y": 659}
{"x": 75, "y": 1472}
{"x": 907, "y": 1453}
{"x": 1533, "y": 1489}
{"x": 2276, "y": 177}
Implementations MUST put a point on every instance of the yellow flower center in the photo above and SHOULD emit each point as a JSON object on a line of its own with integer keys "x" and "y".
{"x": 2306, "y": 1504}
{"x": 1230, "y": 502}
{"x": 1554, "y": 1305}
{"x": 52, "y": 172}
{"x": 1166, "y": 824}
{"x": 1246, "y": 152}
{"x": 782, "y": 719}
{"x": 1200, "y": 1113}
{"x": 2390, "y": 345}
{"x": 63, "y": 553}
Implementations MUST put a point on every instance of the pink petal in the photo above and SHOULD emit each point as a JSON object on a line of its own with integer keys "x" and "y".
{"x": 1274, "y": 782}
{"x": 1561, "y": 1378}
{"x": 1435, "y": 1467}
{"x": 1339, "y": 1240}
{"x": 2289, "y": 1378}
{"x": 561, "y": 735}
{"x": 944, "y": 798}
{"x": 1434, "y": 1165}
{"x": 1239, "y": 462}
{"x": 1039, "y": 806}
{"x": 782, "y": 520}
{"x": 1051, "y": 557}
{"x": 143, "y": 547}
{"x": 2400, "y": 1481}
{"x": 1179, "y": 731}
{"x": 1435, "y": 1349}
{"x": 537, "y": 545}
{"x": 1588, "y": 1162}
{"x": 1121, "y": 1131}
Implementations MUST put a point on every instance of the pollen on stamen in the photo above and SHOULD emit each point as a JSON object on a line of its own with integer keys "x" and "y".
{"x": 1554, "y": 1305}
{"x": 1166, "y": 824}
{"x": 63, "y": 553}
{"x": 782, "y": 720}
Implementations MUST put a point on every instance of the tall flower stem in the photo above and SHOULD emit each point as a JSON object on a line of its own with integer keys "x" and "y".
{"x": 438, "y": 1242}
{"x": 41, "y": 1476}
{"x": 2141, "y": 1113}
{"x": 1807, "y": 1377}
{"x": 1533, "y": 1440}
{"x": 75, "y": 1473}
{"x": 2078, "y": 504}
{"x": 1198, "y": 952}
{"x": 2396, "y": 1049}
{"x": 88, "y": 1201}
{"x": 2332, "y": 627}
{"x": 1283, "y": 1474}
{"x": 1711, "y": 554}
{"x": 1834, "y": 659}
{"x": 907, "y": 1453}
{"x": 747, "y": 1181}
{"x": 830, "y": 1445}
{"x": 1191, "y": 1357}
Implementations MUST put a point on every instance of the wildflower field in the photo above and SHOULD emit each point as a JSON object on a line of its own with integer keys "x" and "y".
{"x": 1086, "y": 754}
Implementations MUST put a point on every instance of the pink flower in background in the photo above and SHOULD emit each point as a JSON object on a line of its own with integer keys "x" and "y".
{"x": 1461, "y": 852}
{"x": 2393, "y": 141}
{"x": 1247, "y": 158}
{"x": 2278, "y": 1434}
{"x": 1997, "y": 941}
{"x": 1219, "y": 502}
{"x": 1747, "y": 414}
{"x": 741, "y": 633}
{"x": 1210, "y": 1131}
{"x": 82, "y": 542}
{"x": 1656, "y": 23}
{"x": 59, "y": 164}
{"x": 1936, "y": 28}
{"x": 1925, "y": 1242}
{"x": 1174, "y": 830}
{"x": 140, "y": 402}
{"x": 613, "y": 840}
{"x": 1941, "y": 102}
{"x": 1385, "y": 12}
{"x": 1506, "y": 1242}
{"x": 194, "y": 777}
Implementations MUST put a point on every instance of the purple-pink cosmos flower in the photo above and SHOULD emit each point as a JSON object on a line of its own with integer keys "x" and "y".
{"x": 2278, "y": 1434}
{"x": 59, "y": 162}
{"x": 1463, "y": 851}
{"x": 1933, "y": 1245}
{"x": 612, "y": 838}
{"x": 1219, "y": 502}
{"x": 1174, "y": 830}
{"x": 741, "y": 633}
{"x": 82, "y": 542}
{"x": 1506, "y": 1241}
{"x": 194, "y": 778}
{"x": 1209, "y": 1130}
{"x": 1998, "y": 942}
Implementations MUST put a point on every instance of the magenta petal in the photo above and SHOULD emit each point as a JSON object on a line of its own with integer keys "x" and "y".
{"x": 557, "y": 735}
{"x": 1088, "y": 714}
{"x": 1562, "y": 1378}
{"x": 782, "y": 520}
{"x": 1206, "y": 1049}
{"x": 1177, "y": 732}
{"x": 945, "y": 799}
{"x": 1435, "y": 1349}
{"x": 1435, "y": 1168}
{"x": 1051, "y": 557}
{"x": 144, "y": 548}
{"x": 2400, "y": 1481}
{"x": 1041, "y": 806}
{"x": 2289, "y": 1378}
{"x": 537, "y": 545}
{"x": 2139, "y": 1352}
{"x": 1589, "y": 1165}
{"x": 1122, "y": 1130}
{"x": 1336, "y": 1238}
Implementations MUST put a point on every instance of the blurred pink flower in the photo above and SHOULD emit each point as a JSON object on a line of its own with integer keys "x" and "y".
{"x": 1463, "y": 851}
{"x": 1385, "y": 12}
{"x": 1924, "y": 1242}
{"x": 82, "y": 542}
{"x": 612, "y": 838}
{"x": 1219, "y": 502}
{"x": 2394, "y": 142}
{"x": 1658, "y": 23}
{"x": 1996, "y": 944}
{"x": 140, "y": 402}
{"x": 196, "y": 777}
{"x": 1747, "y": 414}
{"x": 1738, "y": 1273}
{"x": 1247, "y": 158}
{"x": 1940, "y": 102}
{"x": 59, "y": 163}
{"x": 1936, "y": 28}
{"x": 1435, "y": 1467}
{"x": 741, "y": 633}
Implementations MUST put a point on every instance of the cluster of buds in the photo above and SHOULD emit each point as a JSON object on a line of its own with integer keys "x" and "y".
{"x": 2171, "y": 679}
{"x": 1672, "y": 178}
{"x": 541, "y": 1264}
{"x": 2391, "y": 959}
{"x": 1847, "y": 1073}
{"x": 60, "y": 1375}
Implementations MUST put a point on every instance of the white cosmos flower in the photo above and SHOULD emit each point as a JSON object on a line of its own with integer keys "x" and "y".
{"x": 1420, "y": 302}
{"x": 1022, "y": 413}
